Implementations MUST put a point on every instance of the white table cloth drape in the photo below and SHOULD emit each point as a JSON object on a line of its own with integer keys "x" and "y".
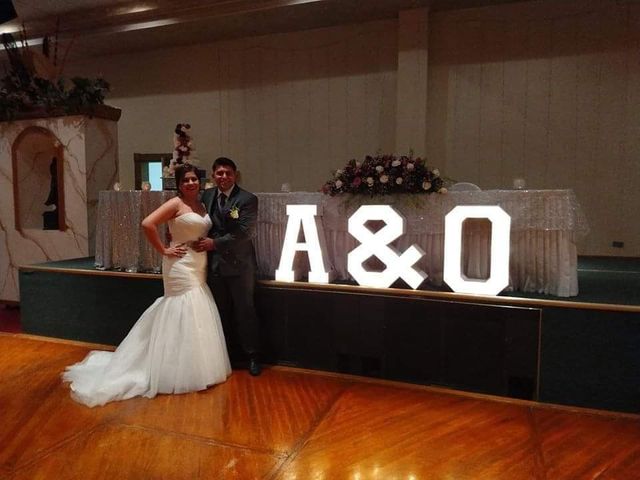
{"x": 544, "y": 228}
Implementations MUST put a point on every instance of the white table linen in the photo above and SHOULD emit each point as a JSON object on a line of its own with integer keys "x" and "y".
{"x": 544, "y": 228}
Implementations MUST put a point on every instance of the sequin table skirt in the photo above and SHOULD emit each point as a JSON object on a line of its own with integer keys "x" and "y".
{"x": 120, "y": 240}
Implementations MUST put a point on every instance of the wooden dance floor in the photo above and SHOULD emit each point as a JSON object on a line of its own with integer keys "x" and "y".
{"x": 293, "y": 425}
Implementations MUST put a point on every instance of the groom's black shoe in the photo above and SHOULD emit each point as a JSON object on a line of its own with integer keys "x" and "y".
{"x": 255, "y": 368}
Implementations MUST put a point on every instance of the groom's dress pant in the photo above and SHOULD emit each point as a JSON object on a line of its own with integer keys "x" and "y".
{"x": 234, "y": 296}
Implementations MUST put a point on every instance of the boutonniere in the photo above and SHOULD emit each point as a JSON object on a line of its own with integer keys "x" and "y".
{"x": 234, "y": 212}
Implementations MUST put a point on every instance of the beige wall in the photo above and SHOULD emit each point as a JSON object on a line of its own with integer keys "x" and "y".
{"x": 287, "y": 107}
{"x": 544, "y": 90}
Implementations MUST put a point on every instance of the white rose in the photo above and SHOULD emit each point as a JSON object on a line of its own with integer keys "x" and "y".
{"x": 395, "y": 163}
{"x": 436, "y": 172}
{"x": 370, "y": 181}
{"x": 443, "y": 190}
{"x": 338, "y": 183}
{"x": 399, "y": 180}
{"x": 379, "y": 169}
{"x": 426, "y": 185}
{"x": 410, "y": 166}
{"x": 384, "y": 179}
{"x": 358, "y": 164}
{"x": 338, "y": 173}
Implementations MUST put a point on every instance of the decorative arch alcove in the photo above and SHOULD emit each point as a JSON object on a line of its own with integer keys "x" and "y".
{"x": 85, "y": 147}
{"x": 38, "y": 180}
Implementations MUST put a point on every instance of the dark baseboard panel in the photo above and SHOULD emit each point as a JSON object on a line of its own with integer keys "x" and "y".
{"x": 577, "y": 356}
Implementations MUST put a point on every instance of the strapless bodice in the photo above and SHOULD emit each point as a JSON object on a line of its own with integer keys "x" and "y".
{"x": 188, "y": 227}
{"x": 185, "y": 273}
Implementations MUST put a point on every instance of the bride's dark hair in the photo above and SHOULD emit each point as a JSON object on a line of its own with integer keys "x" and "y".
{"x": 181, "y": 171}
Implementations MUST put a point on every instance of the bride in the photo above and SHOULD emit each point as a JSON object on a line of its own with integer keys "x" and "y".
{"x": 177, "y": 345}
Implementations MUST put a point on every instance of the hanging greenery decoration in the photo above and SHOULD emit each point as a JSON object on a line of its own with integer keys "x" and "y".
{"x": 33, "y": 83}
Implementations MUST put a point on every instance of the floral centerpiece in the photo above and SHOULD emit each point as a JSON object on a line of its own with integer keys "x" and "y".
{"x": 385, "y": 174}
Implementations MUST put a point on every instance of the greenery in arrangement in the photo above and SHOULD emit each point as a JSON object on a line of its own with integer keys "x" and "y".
{"x": 33, "y": 82}
{"x": 385, "y": 174}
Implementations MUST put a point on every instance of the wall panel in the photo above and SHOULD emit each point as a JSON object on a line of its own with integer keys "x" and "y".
{"x": 554, "y": 84}
{"x": 288, "y": 107}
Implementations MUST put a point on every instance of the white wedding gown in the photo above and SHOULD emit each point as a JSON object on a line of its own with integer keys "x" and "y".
{"x": 176, "y": 346}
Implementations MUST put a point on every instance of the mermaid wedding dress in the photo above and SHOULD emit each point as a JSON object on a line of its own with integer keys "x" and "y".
{"x": 176, "y": 346}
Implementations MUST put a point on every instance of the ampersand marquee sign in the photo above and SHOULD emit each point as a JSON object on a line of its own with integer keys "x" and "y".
{"x": 397, "y": 265}
{"x": 303, "y": 219}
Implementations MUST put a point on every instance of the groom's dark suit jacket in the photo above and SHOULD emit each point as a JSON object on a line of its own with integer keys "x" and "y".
{"x": 233, "y": 228}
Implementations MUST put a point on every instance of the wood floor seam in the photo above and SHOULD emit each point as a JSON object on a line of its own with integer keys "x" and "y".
{"x": 43, "y": 454}
{"x": 536, "y": 444}
{"x": 5, "y": 473}
{"x": 201, "y": 439}
{"x": 600, "y": 475}
{"x": 304, "y": 439}
{"x": 432, "y": 388}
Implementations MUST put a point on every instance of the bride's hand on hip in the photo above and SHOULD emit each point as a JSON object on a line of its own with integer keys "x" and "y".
{"x": 177, "y": 251}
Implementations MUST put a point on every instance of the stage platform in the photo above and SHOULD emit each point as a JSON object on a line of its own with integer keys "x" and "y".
{"x": 579, "y": 351}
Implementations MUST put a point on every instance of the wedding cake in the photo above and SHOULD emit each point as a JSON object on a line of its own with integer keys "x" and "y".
{"x": 183, "y": 152}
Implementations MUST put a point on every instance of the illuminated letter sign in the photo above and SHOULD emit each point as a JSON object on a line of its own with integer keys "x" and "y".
{"x": 500, "y": 230}
{"x": 377, "y": 244}
{"x": 302, "y": 216}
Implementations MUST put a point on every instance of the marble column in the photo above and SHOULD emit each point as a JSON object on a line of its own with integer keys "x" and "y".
{"x": 87, "y": 147}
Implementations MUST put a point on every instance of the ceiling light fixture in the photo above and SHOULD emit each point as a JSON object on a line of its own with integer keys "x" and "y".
{"x": 9, "y": 29}
{"x": 151, "y": 24}
{"x": 141, "y": 7}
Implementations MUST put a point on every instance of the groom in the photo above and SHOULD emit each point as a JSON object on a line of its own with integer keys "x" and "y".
{"x": 231, "y": 273}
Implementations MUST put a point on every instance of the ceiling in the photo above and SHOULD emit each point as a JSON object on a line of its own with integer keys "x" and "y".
{"x": 99, "y": 27}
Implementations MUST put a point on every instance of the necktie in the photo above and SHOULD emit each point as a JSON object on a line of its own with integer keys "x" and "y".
{"x": 223, "y": 200}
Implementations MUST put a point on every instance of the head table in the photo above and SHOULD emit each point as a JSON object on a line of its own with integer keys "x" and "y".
{"x": 544, "y": 227}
